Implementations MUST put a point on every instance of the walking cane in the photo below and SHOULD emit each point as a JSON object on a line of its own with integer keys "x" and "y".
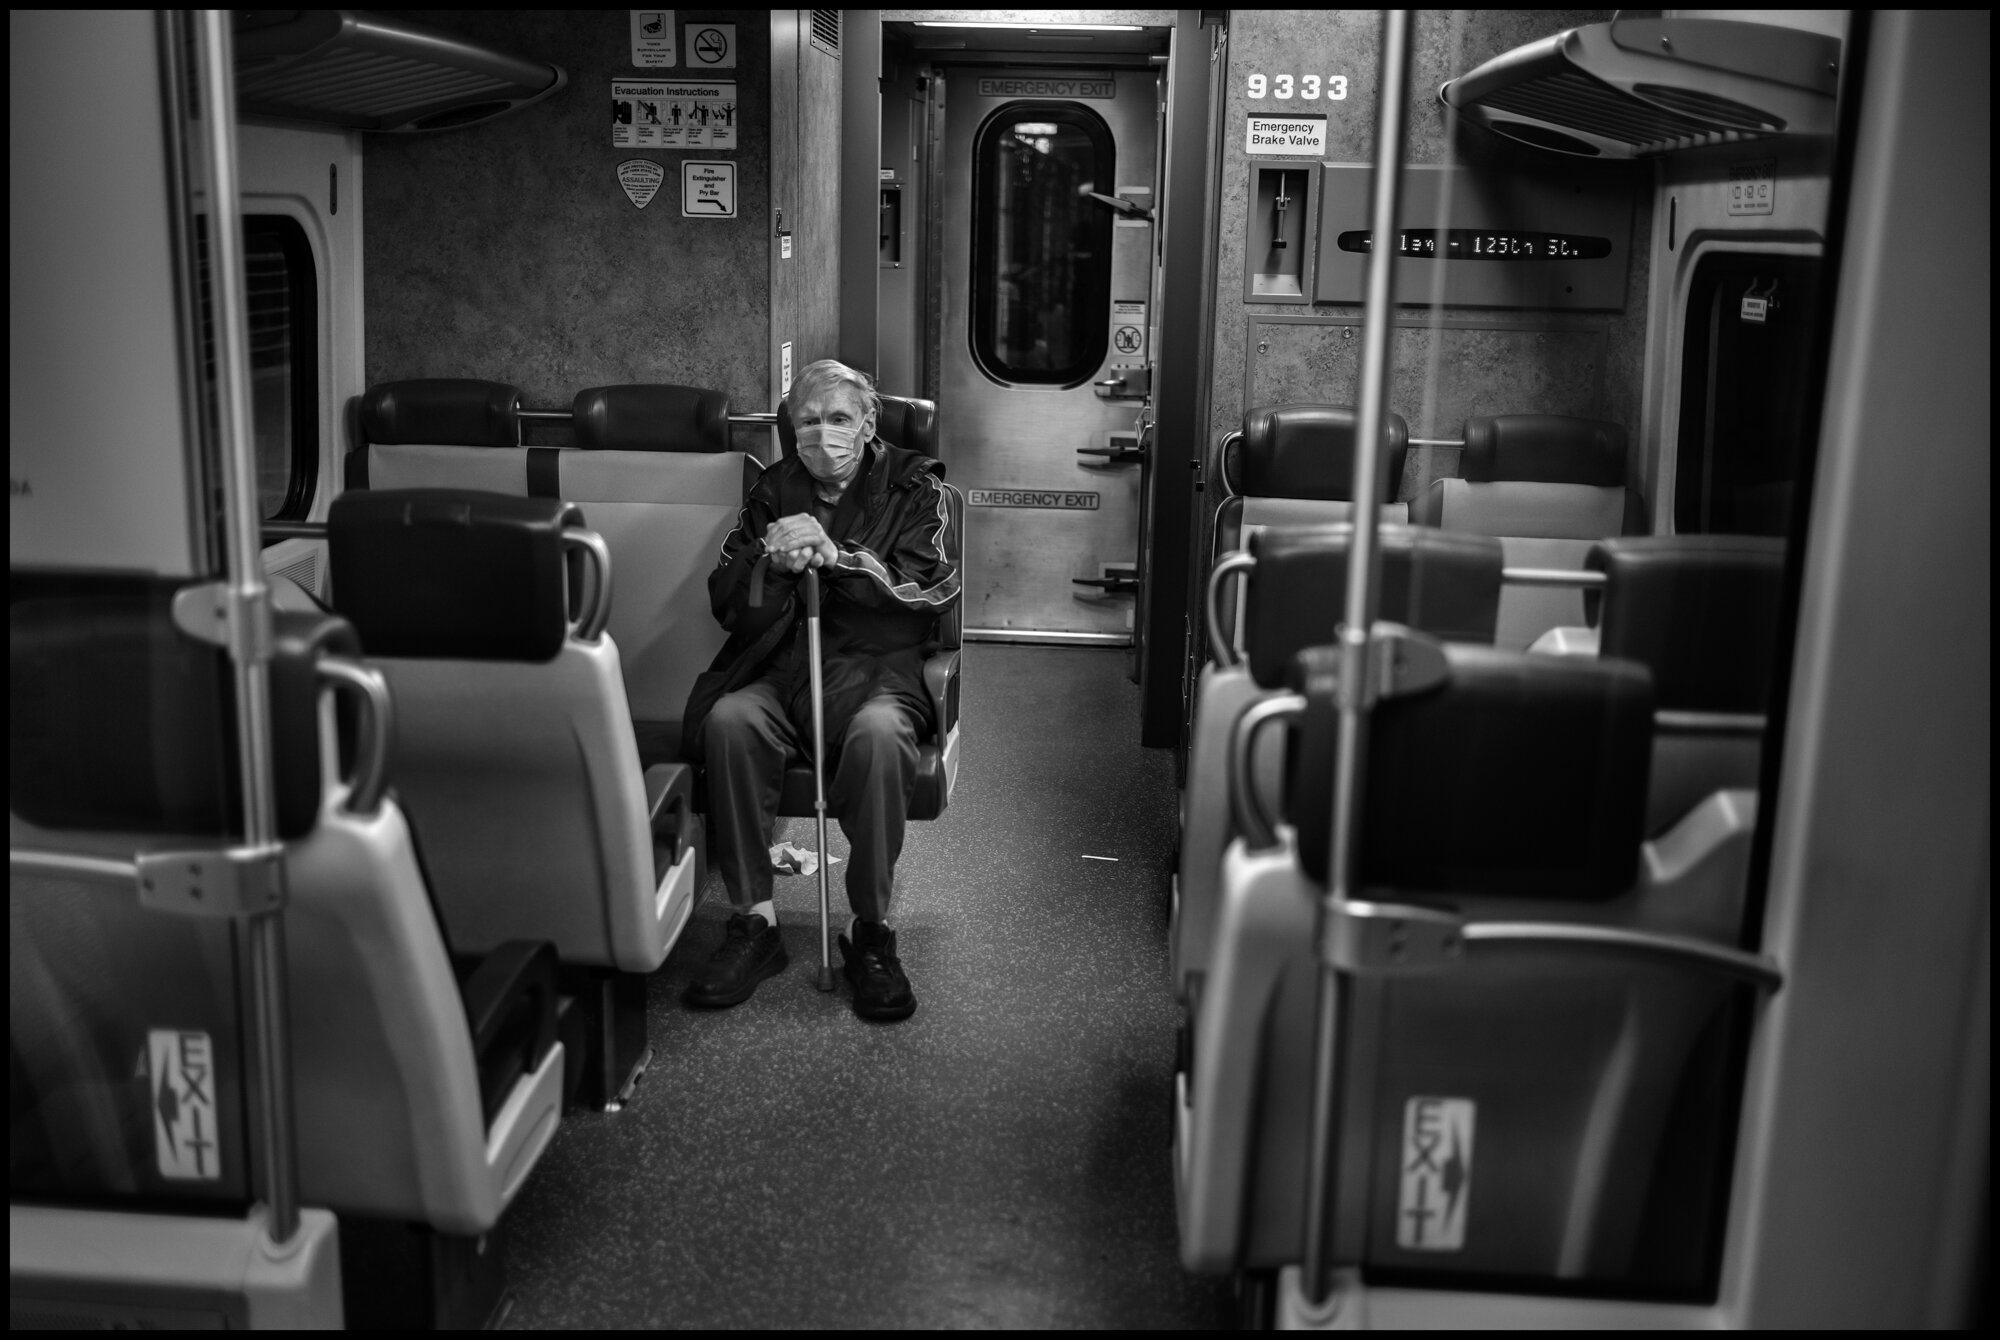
{"x": 819, "y": 773}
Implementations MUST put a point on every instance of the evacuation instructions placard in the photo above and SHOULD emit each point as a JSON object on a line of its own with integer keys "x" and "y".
{"x": 673, "y": 114}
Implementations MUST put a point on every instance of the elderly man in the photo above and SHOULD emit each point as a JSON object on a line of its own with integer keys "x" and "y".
{"x": 871, "y": 518}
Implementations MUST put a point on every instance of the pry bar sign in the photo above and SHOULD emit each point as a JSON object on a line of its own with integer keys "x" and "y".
{"x": 1053, "y": 499}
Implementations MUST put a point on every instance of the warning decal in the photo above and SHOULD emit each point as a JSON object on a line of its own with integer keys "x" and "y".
{"x": 181, "y": 1065}
{"x": 1128, "y": 327}
{"x": 1286, "y": 136}
{"x": 1437, "y": 1174}
{"x": 673, "y": 114}
{"x": 641, "y": 178}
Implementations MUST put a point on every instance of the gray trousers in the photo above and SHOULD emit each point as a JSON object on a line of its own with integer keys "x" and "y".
{"x": 749, "y": 741}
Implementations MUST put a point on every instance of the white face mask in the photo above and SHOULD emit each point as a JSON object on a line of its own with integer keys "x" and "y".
{"x": 830, "y": 451}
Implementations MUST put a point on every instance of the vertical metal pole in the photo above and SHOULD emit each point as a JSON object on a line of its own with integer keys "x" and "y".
{"x": 1356, "y": 693}
{"x": 248, "y": 611}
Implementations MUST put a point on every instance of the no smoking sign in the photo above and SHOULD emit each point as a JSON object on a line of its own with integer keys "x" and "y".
{"x": 709, "y": 46}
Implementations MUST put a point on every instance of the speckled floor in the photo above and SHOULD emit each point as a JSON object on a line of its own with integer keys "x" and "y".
{"x": 1000, "y": 1159}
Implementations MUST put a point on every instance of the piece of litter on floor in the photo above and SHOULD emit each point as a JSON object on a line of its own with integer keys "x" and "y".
{"x": 788, "y": 859}
{"x": 1088, "y": 857}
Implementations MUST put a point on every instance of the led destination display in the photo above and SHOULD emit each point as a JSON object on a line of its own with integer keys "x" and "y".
{"x": 1485, "y": 244}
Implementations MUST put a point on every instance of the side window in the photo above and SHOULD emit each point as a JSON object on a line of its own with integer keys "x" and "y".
{"x": 1041, "y": 251}
{"x": 282, "y": 289}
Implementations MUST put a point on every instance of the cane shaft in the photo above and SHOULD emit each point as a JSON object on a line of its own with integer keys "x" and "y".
{"x": 819, "y": 775}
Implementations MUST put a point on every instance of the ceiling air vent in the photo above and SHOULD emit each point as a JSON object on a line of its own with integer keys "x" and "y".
{"x": 1641, "y": 86}
{"x": 368, "y": 71}
{"x": 826, "y": 30}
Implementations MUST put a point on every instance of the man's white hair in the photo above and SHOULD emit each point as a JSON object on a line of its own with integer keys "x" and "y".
{"x": 826, "y": 375}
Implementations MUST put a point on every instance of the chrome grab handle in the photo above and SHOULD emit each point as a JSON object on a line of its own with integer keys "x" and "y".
{"x": 71, "y": 865}
{"x": 1222, "y": 642}
{"x": 596, "y": 613}
{"x": 1258, "y": 828}
{"x": 378, "y": 725}
{"x": 1374, "y": 939}
{"x": 1552, "y": 577}
{"x": 1110, "y": 381}
{"x": 1708, "y": 723}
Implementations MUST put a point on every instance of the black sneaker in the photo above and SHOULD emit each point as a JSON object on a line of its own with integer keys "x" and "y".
{"x": 881, "y": 992}
{"x": 750, "y": 952}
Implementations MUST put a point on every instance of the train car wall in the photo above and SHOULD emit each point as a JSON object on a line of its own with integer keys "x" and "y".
{"x": 805, "y": 172}
{"x": 509, "y": 251}
{"x": 1485, "y": 362}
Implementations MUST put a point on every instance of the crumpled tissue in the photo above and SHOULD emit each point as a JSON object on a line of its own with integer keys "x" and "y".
{"x": 788, "y": 859}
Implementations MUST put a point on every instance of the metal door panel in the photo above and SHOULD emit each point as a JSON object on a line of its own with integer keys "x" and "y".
{"x": 1020, "y": 561}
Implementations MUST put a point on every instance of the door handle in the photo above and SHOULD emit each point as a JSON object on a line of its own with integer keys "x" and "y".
{"x": 1113, "y": 455}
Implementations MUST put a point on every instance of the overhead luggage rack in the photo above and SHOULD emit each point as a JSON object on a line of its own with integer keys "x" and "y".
{"x": 370, "y": 71}
{"x": 1637, "y": 87}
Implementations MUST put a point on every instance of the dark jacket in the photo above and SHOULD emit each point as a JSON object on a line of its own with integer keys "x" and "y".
{"x": 879, "y": 603}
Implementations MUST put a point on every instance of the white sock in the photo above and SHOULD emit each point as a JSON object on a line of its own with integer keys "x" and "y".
{"x": 766, "y": 910}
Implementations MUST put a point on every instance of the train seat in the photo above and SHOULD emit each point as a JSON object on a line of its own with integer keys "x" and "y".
{"x": 1549, "y": 486}
{"x": 1700, "y": 612}
{"x": 912, "y": 425}
{"x": 655, "y": 474}
{"x": 445, "y": 432}
{"x": 1514, "y": 791}
{"x": 516, "y": 759}
{"x": 453, "y": 1072}
{"x": 1293, "y": 579}
{"x": 1293, "y": 465}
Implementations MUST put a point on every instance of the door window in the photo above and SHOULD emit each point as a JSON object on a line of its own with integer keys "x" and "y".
{"x": 1041, "y": 252}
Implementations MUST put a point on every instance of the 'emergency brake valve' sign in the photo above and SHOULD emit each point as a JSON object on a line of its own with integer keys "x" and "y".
{"x": 1286, "y": 136}
{"x": 673, "y": 114}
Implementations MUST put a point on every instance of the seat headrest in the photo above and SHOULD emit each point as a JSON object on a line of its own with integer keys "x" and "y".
{"x": 442, "y": 412}
{"x": 1521, "y": 775}
{"x": 119, "y": 722}
{"x": 1443, "y": 583}
{"x": 1307, "y": 451}
{"x": 651, "y": 418}
{"x": 902, "y": 422}
{"x": 1699, "y": 611}
{"x": 1543, "y": 448}
{"x": 450, "y": 574}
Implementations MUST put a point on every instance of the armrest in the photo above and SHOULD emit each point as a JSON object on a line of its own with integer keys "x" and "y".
{"x": 510, "y": 1006}
{"x": 941, "y": 682}
{"x": 670, "y": 812}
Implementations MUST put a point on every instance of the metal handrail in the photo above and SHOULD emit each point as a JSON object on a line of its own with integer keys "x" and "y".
{"x": 1553, "y": 577}
{"x": 294, "y": 530}
{"x": 1709, "y": 723}
{"x": 1258, "y": 828}
{"x": 1759, "y": 969}
{"x": 597, "y": 608}
{"x": 370, "y": 782}
{"x": 1221, "y": 641}
{"x": 70, "y": 865}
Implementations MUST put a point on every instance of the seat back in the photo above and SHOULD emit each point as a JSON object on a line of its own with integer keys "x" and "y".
{"x": 1555, "y": 1083}
{"x": 1293, "y": 465}
{"x": 380, "y": 1038}
{"x": 1700, "y": 612}
{"x": 516, "y": 758}
{"x": 658, "y": 481}
{"x": 446, "y": 432}
{"x": 1447, "y": 585}
{"x": 1549, "y": 486}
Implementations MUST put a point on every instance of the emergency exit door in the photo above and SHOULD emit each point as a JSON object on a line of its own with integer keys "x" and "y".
{"x": 1045, "y": 341}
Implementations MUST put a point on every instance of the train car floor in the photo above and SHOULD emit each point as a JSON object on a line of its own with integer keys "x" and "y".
{"x": 999, "y": 1159}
